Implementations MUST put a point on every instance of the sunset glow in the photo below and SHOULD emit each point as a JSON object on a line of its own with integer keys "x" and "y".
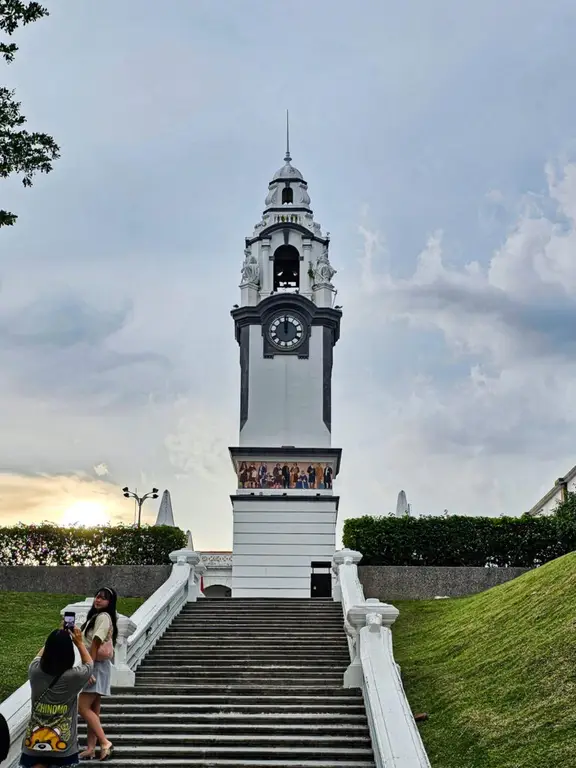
{"x": 86, "y": 513}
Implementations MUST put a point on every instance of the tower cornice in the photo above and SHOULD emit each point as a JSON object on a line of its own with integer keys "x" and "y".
{"x": 279, "y": 225}
{"x": 261, "y": 313}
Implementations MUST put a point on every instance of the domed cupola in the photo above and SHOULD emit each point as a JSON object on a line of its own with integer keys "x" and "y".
{"x": 287, "y": 190}
{"x": 287, "y": 172}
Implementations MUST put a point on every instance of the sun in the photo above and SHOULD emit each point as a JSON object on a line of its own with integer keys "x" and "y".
{"x": 85, "y": 514}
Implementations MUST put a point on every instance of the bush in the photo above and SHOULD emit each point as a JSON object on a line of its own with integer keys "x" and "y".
{"x": 122, "y": 545}
{"x": 524, "y": 542}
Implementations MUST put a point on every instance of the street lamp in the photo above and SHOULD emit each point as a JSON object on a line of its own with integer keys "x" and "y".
{"x": 153, "y": 494}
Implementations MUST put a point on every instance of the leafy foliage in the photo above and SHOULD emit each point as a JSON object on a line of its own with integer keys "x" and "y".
{"x": 21, "y": 152}
{"x": 51, "y": 545}
{"x": 523, "y": 542}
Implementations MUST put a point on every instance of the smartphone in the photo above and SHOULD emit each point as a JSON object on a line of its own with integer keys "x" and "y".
{"x": 69, "y": 621}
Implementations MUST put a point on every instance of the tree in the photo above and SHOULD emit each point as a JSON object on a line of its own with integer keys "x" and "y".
{"x": 21, "y": 152}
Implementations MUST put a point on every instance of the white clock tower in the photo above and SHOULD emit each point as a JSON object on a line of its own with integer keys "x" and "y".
{"x": 284, "y": 508}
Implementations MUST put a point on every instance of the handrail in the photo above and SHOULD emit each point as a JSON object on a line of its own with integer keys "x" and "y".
{"x": 136, "y": 638}
{"x": 395, "y": 737}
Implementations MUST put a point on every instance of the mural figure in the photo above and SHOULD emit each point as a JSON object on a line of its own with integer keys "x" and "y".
{"x": 262, "y": 475}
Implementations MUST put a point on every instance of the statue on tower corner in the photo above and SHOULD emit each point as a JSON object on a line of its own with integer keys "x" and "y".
{"x": 250, "y": 269}
{"x": 323, "y": 270}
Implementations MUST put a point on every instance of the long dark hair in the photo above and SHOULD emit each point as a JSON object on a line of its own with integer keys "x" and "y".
{"x": 58, "y": 653}
{"x": 108, "y": 594}
{"x": 4, "y": 738}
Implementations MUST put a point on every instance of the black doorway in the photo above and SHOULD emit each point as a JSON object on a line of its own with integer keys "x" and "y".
{"x": 321, "y": 580}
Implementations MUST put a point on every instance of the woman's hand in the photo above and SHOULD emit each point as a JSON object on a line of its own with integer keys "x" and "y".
{"x": 77, "y": 638}
{"x": 91, "y": 680}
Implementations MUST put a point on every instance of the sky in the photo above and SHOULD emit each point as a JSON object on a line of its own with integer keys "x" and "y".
{"x": 439, "y": 144}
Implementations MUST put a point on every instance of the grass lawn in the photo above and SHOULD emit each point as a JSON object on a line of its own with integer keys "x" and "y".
{"x": 26, "y": 619}
{"x": 495, "y": 672}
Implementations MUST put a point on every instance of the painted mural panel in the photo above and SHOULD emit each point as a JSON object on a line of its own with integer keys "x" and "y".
{"x": 301, "y": 475}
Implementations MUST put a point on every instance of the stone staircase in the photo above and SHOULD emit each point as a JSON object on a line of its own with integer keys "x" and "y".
{"x": 243, "y": 682}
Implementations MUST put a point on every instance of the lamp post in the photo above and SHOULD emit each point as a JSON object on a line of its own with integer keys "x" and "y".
{"x": 153, "y": 494}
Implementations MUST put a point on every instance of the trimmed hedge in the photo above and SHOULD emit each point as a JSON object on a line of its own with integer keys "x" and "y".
{"x": 523, "y": 542}
{"x": 122, "y": 545}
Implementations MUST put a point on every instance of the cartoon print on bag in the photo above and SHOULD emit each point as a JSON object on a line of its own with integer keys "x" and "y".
{"x": 44, "y": 739}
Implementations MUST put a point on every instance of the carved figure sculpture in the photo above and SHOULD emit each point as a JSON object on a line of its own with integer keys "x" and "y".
{"x": 272, "y": 196}
{"x": 250, "y": 269}
{"x": 323, "y": 270}
{"x": 304, "y": 197}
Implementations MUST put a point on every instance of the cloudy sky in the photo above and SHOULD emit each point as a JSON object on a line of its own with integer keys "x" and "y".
{"x": 438, "y": 140}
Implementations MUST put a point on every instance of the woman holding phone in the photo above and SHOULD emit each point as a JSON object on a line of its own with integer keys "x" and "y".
{"x": 51, "y": 737}
{"x": 100, "y": 633}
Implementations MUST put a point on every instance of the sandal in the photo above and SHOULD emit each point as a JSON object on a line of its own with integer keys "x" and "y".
{"x": 88, "y": 754}
{"x": 106, "y": 752}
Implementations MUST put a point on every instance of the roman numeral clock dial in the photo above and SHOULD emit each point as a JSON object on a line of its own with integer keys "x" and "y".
{"x": 286, "y": 332}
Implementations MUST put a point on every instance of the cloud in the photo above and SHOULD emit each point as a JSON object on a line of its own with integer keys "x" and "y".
{"x": 64, "y": 348}
{"x": 60, "y": 322}
{"x": 503, "y": 422}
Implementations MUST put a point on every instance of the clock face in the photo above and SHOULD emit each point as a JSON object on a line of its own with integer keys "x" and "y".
{"x": 286, "y": 331}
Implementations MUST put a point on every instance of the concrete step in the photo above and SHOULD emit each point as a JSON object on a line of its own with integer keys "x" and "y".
{"x": 244, "y": 689}
{"x": 240, "y": 651}
{"x": 164, "y": 739}
{"x": 263, "y": 753}
{"x": 255, "y": 633}
{"x": 239, "y": 681}
{"x": 277, "y": 671}
{"x": 256, "y": 657}
{"x": 242, "y": 728}
{"x": 268, "y": 673}
{"x": 233, "y": 706}
{"x": 200, "y": 721}
{"x": 141, "y": 701}
{"x": 232, "y": 664}
{"x": 261, "y": 616}
{"x": 226, "y": 642}
{"x": 231, "y": 763}
{"x": 263, "y": 627}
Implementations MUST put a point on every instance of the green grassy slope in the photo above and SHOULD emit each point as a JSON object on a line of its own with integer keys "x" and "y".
{"x": 496, "y": 672}
{"x": 26, "y": 619}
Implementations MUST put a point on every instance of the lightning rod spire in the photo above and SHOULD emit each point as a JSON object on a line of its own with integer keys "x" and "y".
{"x": 287, "y": 158}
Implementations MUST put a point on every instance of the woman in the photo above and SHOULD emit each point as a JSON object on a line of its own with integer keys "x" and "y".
{"x": 52, "y": 735}
{"x": 100, "y": 631}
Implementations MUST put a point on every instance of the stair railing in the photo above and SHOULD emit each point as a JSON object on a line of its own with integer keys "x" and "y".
{"x": 395, "y": 737}
{"x": 136, "y": 638}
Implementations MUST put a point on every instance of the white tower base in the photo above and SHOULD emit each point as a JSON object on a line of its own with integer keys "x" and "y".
{"x": 276, "y": 542}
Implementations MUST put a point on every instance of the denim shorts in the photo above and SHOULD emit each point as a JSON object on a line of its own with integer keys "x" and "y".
{"x": 27, "y": 761}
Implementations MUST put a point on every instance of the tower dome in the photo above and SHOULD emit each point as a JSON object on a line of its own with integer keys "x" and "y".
{"x": 288, "y": 172}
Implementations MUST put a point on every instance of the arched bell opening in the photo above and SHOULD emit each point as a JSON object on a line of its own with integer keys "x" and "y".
{"x": 286, "y": 268}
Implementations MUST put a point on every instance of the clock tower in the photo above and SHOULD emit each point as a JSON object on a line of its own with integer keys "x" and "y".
{"x": 284, "y": 507}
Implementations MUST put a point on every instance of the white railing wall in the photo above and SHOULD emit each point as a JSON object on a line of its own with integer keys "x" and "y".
{"x": 136, "y": 638}
{"x": 395, "y": 737}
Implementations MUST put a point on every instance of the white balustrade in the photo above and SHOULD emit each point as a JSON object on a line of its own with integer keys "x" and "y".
{"x": 137, "y": 636}
{"x": 395, "y": 737}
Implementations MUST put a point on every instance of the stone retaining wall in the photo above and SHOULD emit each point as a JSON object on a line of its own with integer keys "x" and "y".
{"x": 127, "y": 580}
{"x": 399, "y": 582}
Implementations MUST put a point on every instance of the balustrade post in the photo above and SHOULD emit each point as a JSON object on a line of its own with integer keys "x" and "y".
{"x": 122, "y": 675}
{"x": 370, "y": 616}
{"x": 188, "y": 557}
